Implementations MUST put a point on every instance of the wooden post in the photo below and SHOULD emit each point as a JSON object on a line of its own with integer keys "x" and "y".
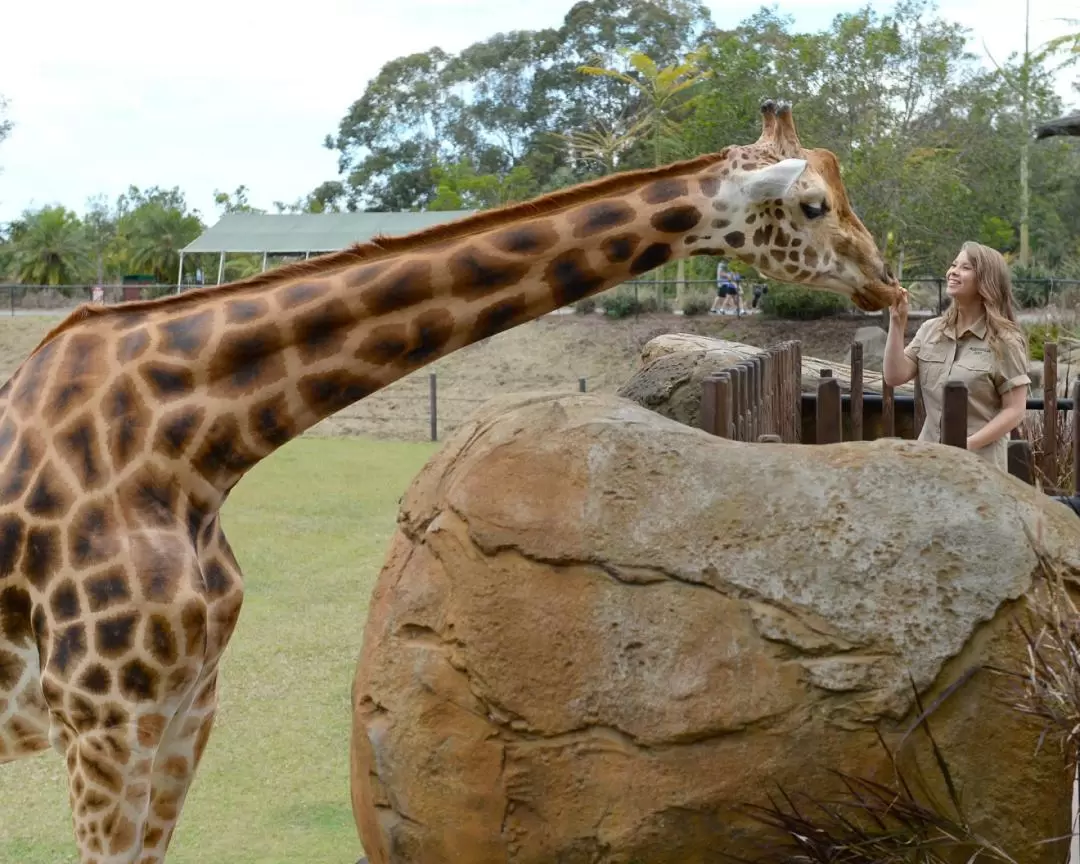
{"x": 796, "y": 396}
{"x": 888, "y": 411}
{"x": 954, "y": 411}
{"x": 581, "y": 385}
{"x": 1049, "y": 461}
{"x": 723, "y": 405}
{"x": 827, "y": 421}
{"x": 856, "y": 391}
{"x": 744, "y": 402}
{"x": 1076, "y": 435}
{"x": 920, "y": 408}
{"x": 1020, "y": 461}
{"x": 709, "y": 398}
{"x": 736, "y": 401}
{"x": 752, "y": 400}
{"x": 434, "y": 407}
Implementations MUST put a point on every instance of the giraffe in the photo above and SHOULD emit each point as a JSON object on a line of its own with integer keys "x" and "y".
{"x": 124, "y": 431}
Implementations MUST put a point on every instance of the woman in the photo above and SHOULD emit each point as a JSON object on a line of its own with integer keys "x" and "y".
{"x": 977, "y": 341}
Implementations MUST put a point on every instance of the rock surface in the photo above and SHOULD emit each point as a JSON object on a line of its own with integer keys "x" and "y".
{"x": 598, "y": 632}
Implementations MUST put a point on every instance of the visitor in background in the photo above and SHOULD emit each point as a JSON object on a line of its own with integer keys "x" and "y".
{"x": 977, "y": 341}
{"x": 727, "y": 291}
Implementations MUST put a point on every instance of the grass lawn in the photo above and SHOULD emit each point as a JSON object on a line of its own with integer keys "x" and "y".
{"x": 310, "y": 528}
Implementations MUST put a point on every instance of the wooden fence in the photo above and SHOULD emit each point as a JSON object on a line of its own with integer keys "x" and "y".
{"x": 761, "y": 399}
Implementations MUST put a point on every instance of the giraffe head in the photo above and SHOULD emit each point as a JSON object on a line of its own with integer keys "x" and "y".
{"x": 784, "y": 210}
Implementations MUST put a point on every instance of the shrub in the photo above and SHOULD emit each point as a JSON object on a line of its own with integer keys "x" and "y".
{"x": 1039, "y": 334}
{"x": 792, "y": 301}
{"x": 621, "y": 306}
{"x": 695, "y": 306}
{"x": 585, "y": 306}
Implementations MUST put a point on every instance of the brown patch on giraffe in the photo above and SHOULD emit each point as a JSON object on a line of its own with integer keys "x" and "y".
{"x": 96, "y": 679}
{"x": 763, "y": 261}
{"x": 710, "y": 186}
{"x": 270, "y": 422}
{"x": 300, "y": 293}
{"x": 797, "y": 241}
{"x": 31, "y": 378}
{"x": 11, "y": 669}
{"x": 326, "y": 392}
{"x": 810, "y": 256}
{"x": 320, "y": 333}
{"x": 721, "y": 223}
{"x": 12, "y": 531}
{"x": 176, "y": 431}
{"x": 149, "y": 497}
{"x": 763, "y": 235}
{"x": 664, "y": 190}
{"x": 529, "y": 239}
{"x": 408, "y": 285}
{"x": 81, "y": 713}
{"x": 114, "y": 637}
{"x": 41, "y": 555}
{"x": 127, "y": 419}
{"x": 651, "y": 257}
{"x": 408, "y": 344}
{"x": 122, "y": 836}
{"x": 77, "y": 375}
{"x": 778, "y": 214}
{"x": 49, "y": 497}
{"x": 139, "y": 681}
{"x": 500, "y": 316}
{"x": 791, "y": 269}
{"x": 207, "y": 695}
{"x": 68, "y": 649}
{"x": 218, "y": 580}
{"x": 193, "y": 623}
{"x": 160, "y": 565}
{"x": 132, "y": 345}
{"x": 187, "y": 336}
{"x": 64, "y": 602}
{"x": 245, "y": 310}
{"x": 83, "y": 452}
{"x": 15, "y": 609}
{"x": 247, "y": 360}
{"x": 570, "y": 277}
{"x": 735, "y": 239}
{"x": 782, "y": 237}
{"x": 600, "y": 217}
{"x": 107, "y": 588}
{"x": 676, "y": 220}
{"x": 150, "y": 728}
{"x": 176, "y": 767}
{"x": 20, "y": 467}
{"x": 223, "y": 455}
{"x": 793, "y": 255}
{"x": 751, "y": 218}
{"x": 779, "y": 254}
{"x": 475, "y": 274}
{"x": 168, "y": 381}
{"x": 619, "y": 250}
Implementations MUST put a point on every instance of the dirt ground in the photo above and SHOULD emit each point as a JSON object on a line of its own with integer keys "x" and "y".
{"x": 546, "y": 355}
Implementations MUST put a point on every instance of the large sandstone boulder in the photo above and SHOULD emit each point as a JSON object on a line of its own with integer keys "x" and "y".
{"x": 674, "y": 367}
{"x": 599, "y": 632}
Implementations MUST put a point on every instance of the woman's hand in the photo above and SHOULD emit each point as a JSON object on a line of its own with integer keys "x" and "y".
{"x": 899, "y": 310}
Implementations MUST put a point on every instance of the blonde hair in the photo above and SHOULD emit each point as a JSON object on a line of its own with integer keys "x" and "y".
{"x": 994, "y": 285}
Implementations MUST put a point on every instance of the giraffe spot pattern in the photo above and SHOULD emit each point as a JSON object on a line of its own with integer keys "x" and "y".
{"x": 242, "y": 311}
{"x": 41, "y": 557}
{"x": 91, "y": 537}
{"x": 127, "y": 419}
{"x": 11, "y": 669}
{"x": 96, "y": 679}
{"x": 570, "y": 277}
{"x": 49, "y": 498}
{"x": 327, "y": 392}
{"x": 735, "y": 239}
{"x": 65, "y": 602}
{"x": 247, "y": 360}
{"x": 474, "y": 275}
{"x": 81, "y": 364}
{"x": 499, "y": 316}
{"x": 619, "y": 250}
{"x": 763, "y": 235}
{"x": 653, "y": 256}
{"x": 132, "y": 346}
{"x": 408, "y": 285}
{"x": 193, "y": 623}
{"x": 662, "y": 191}
{"x": 321, "y": 333}
{"x": 186, "y": 337}
{"x": 270, "y": 421}
{"x": 176, "y": 431}
{"x": 602, "y": 216}
{"x": 20, "y": 468}
{"x": 222, "y": 454}
{"x": 168, "y": 381}
{"x": 424, "y": 339}
{"x": 676, "y": 220}
{"x": 11, "y": 541}
{"x": 68, "y": 649}
{"x": 300, "y": 293}
{"x": 160, "y": 640}
{"x": 82, "y": 451}
{"x": 710, "y": 186}
{"x": 15, "y": 609}
{"x": 114, "y": 637}
{"x": 528, "y": 239}
{"x": 810, "y": 256}
{"x": 107, "y": 589}
{"x": 217, "y": 579}
{"x": 31, "y": 378}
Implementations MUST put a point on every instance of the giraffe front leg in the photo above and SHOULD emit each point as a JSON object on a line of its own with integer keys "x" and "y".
{"x": 174, "y": 769}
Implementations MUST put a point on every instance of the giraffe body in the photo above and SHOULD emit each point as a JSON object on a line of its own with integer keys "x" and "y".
{"x": 124, "y": 431}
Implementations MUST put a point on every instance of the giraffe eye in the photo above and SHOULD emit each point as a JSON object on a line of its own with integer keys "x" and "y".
{"x": 814, "y": 211}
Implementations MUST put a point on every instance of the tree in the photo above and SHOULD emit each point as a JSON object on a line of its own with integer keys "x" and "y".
{"x": 48, "y": 247}
{"x": 153, "y": 227}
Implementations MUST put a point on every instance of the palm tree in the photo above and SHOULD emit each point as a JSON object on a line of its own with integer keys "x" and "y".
{"x": 48, "y": 247}
{"x": 155, "y": 235}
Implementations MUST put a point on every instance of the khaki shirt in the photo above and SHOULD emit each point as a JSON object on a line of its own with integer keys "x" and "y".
{"x": 943, "y": 356}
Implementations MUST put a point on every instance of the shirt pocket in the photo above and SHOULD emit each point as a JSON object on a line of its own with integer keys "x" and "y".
{"x": 932, "y": 358}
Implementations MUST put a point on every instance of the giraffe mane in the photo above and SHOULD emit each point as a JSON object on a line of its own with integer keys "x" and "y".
{"x": 380, "y": 246}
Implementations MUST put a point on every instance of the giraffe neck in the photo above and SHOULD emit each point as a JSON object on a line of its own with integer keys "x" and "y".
{"x": 211, "y": 384}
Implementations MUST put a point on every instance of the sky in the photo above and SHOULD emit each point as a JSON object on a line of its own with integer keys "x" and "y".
{"x": 228, "y": 92}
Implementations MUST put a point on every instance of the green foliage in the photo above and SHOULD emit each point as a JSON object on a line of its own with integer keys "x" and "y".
{"x": 794, "y": 302}
{"x": 585, "y": 306}
{"x": 48, "y": 247}
{"x": 621, "y": 305}
{"x": 696, "y": 305}
{"x": 1039, "y": 333}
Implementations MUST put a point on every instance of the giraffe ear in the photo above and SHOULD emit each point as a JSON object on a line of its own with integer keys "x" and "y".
{"x": 773, "y": 181}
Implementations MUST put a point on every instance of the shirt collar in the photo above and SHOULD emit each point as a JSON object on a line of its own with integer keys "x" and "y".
{"x": 977, "y": 329}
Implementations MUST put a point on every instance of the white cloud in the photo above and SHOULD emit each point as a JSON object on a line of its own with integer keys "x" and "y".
{"x": 232, "y": 93}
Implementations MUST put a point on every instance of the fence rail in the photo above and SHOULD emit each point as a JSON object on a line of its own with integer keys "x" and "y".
{"x": 762, "y": 400}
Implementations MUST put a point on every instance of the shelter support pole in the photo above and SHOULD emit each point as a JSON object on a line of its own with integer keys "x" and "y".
{"x": 264, "y": 262}
{"x": 180, "y": 273}
{"x": 221, "y": 269}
